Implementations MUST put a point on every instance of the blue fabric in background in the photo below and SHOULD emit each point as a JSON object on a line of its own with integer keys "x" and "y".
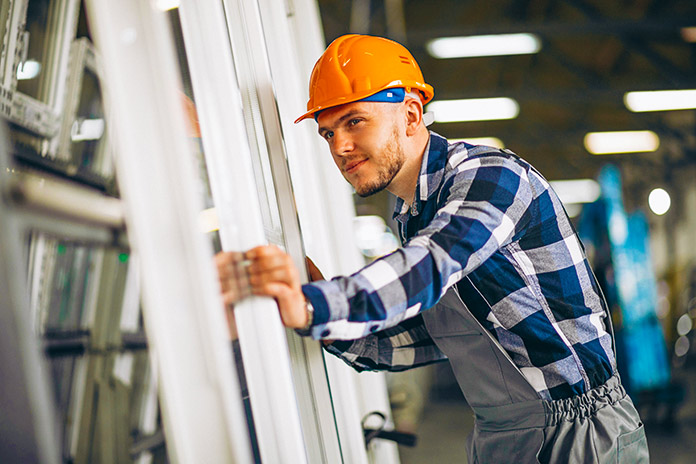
{"x": 622, "y": 257}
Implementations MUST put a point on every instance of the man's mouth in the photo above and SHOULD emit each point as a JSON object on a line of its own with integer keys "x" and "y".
{"x": 353, "y": 166}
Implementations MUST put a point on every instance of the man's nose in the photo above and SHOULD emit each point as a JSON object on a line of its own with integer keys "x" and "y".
{"x": 342, "y": 143}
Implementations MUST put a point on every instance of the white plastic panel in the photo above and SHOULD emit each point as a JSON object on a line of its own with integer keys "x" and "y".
{"x": 202, "y": 410}
{"x": 325, "y": 206}
{"x": 264, "y": 348}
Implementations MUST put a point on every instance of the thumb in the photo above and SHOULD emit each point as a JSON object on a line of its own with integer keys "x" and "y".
{"x": 314, "y": 272}
{"x": 291, "y": 304}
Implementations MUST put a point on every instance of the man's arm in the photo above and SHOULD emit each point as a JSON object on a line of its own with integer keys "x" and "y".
{"x": 402, "y": 347}
{"x": 484, "y": 202}
{"x": 405, "y": 346}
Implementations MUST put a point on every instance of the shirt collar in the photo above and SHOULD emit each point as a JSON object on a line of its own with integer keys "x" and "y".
{"x": 430, "y": 177}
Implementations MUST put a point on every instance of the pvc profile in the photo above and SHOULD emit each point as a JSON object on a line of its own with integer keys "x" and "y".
{"x": 66, "y": 201}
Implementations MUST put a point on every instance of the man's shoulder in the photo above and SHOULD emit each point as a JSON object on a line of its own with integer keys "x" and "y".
{"x": 463, "y": 156}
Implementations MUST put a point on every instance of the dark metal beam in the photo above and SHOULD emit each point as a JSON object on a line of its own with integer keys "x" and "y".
{"x": 668, "y": 69}
{"x": 663, "y": 66}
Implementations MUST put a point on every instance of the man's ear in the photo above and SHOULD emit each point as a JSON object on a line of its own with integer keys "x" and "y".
{"x": 414, "y": 115}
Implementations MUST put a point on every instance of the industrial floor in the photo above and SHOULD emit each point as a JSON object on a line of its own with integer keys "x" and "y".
{"x": 446, "y": 420}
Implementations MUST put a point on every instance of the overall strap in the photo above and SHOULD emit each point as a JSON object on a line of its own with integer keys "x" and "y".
{"x": 490, "y": 336}
{"x": 484, "y": 370}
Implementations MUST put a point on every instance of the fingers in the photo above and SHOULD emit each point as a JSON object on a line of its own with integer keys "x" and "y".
{"x": 263, "y": 251}
{"x": 291, "y": 304}
{"x": 232, "y": 275}
{"x": 228, "y": 263}
{"x": 257, "y": 278}
{"x": 273, "y": 273}
{"x": 269, "y": 264}
{"x": 243, "y": 274}
{"x": 267, "y": 257}
{"x": 265, "y": 271}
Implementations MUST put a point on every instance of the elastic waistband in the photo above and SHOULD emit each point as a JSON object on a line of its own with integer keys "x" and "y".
{"x": 541, "y": 413}
{"x": 585, "y": 405}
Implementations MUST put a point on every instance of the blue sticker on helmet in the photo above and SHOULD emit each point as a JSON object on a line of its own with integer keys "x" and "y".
{"x": 395, "y": 95}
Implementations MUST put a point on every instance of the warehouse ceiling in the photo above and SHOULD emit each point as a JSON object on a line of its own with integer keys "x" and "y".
{"x": 593, "y": 52}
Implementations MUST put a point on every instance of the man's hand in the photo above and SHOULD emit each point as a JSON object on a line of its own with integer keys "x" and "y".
{"x": 234, "y": 281}
{"x": 267, "y": 271}
{"x": 234, "y": 284}
{"x": 272, "y": 273}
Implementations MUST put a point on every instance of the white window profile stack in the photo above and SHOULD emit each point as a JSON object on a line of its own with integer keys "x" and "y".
{"x": 202, "y": 410}
{"x": 326, "y": 209}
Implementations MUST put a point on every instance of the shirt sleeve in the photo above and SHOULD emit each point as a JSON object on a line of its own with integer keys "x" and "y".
{"x": 397, "y": 348}
{"x": 483, "y": 203}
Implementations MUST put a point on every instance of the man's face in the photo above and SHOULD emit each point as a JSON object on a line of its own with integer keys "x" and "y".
{"x": 364, "y": 140}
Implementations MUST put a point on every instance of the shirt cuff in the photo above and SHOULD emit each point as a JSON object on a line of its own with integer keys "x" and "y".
{"x": 316, "y": 294}
{"x": 321, "y": 306}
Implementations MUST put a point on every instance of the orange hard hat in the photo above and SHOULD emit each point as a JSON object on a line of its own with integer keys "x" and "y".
{"x": 356, "y": 66}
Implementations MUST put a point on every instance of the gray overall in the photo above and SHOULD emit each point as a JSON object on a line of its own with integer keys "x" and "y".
{"x": 513, "y": 424}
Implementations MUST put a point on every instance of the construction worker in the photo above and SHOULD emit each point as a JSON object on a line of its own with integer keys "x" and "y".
{"x": 491, "y": 275}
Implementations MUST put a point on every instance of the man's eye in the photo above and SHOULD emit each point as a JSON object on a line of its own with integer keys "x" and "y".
{"x": 328, "y": 135}
{"x": 353, "y": 122}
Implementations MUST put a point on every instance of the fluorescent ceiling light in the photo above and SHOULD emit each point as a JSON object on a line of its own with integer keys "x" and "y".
{"x": 576, "y": 190}
{"x": 474, "y": 109}
{"x": 484, "y": 45}
{"x": 602, "y": 143}
{"x": 660, "y": 100}
{"x": 28, "y": 70}
{"x": 487, "y": 141}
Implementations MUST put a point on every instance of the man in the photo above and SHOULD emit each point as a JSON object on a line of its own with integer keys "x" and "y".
{"x": 491, "y": 275}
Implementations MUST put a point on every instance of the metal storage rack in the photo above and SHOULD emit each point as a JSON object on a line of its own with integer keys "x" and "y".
{"x": 74, "y": 286}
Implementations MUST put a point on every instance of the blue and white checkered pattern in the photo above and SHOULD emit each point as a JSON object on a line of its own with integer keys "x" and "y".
{"x": 487, "y": 221}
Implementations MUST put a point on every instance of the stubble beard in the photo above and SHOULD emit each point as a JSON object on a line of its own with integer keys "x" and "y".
{"x": 393, "y": 156}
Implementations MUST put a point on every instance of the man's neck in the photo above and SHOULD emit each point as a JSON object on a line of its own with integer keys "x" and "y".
{"x": 404, "y": 185}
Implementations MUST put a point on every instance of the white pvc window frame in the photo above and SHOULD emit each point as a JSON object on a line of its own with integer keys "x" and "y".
{"x": 14, "y": 17}
{"x": 202, "y": 411}
{"x": 6, "y": 24}
{"x": 326, "y": 210}
{"x": 254, "y": 63}
{"x": 38, "y": 116}
{"x": 228, "y": 152}
{"x": 83, "y": 62}
{"x": 59, "y": 33}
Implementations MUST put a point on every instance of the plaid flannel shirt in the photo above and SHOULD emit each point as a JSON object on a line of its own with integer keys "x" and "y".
{"x": 485, "y": 220}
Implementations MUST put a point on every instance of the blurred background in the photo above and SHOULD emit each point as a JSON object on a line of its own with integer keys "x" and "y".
{"x": 599, "y": 97}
